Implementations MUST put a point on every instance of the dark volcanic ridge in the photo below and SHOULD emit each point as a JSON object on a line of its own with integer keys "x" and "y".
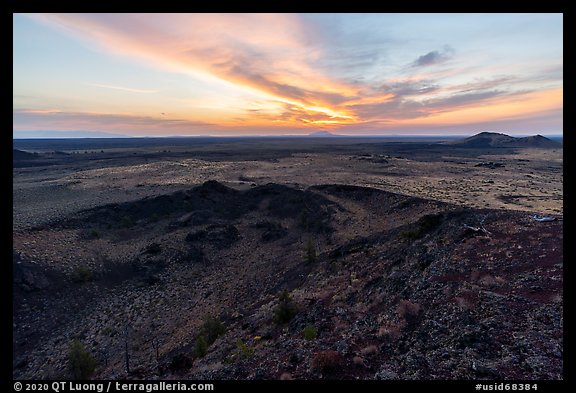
{"x": 498, "y": 140}
{"x": 376, "y": 285}
{"x": 20, "y": 155}
{"x": 213, "y": 202}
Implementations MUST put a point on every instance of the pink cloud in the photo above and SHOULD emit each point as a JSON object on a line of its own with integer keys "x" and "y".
{"x": 31, "y": 119}
{"x": 274, "y": 57}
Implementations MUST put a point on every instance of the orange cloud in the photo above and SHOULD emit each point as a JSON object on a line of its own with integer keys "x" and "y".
{"x": 73, "y": 121}
{"x": 501, "y": 108}
{"x": 255, "y": 52}
{"x": 269, "y": 66}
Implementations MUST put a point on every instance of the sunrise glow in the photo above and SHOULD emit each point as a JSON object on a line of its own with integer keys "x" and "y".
{"x": 288, "y": 74}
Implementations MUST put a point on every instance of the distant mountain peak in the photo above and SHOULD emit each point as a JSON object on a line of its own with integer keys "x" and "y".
{"x": 488, "y": 139}
{"x": 322, "y": 134}
{"x": 489, "y": 133}
{"x": 49, "y": 134}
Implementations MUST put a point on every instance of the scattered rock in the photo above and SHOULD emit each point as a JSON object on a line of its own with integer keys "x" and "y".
{"x": 219, "y": 236}
{"x": 386, "y": 374}
{"x": 490, "y": 165}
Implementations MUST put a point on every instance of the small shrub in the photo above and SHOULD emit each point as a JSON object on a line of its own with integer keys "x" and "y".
{"x": 425, "y": 224}
{"x": 126, "y": 222}
{"x": 406, "y": 203}
{"x": 406, "y": 307}
{"x": 211, "y": 329}
{"x": 411, "y": 235}
{"x": 327, "y": 361}
{"x": 108, "y": 331}
{"x": 285, "y": 310}
{"x": 81, "y": 274}
{"x": 80, "y": 363}
{"x": 464, "y": 303}
{"x": 429, "y": 222}
{"x": 369, "y": 350}
{"x": 200, "y": 347}
{"x": 408, "y": 311}
{"x": 390, "y": 332}
{"x": 310, "y": 252}
{"x": 310, "y": 332}
{"x": 315, "y": 221}
{"x": 243, "y": 350}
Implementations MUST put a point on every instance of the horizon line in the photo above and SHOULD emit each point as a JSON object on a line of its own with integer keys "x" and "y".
{"x": 286, "y": 136}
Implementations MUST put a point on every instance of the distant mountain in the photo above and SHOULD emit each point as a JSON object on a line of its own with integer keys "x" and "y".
{"x": 323, "y": 134}
{"x": 495, "y": 139}
{"x": 64, "y": 134}
{"x": 537, "y": 141}
{"x": 18, "y": 155}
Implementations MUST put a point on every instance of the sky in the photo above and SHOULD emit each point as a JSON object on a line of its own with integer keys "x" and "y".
{"x": 287, "y": 74}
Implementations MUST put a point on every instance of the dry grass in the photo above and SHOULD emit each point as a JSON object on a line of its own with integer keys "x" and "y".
{"x": 327, "y": 361}
{"x": 407, "y": 309}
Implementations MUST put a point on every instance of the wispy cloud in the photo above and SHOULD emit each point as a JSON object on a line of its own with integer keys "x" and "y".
{"x": 266, "y": 53}
{"x": 411, "y": 88}
{"x": 57, "y": 119}
{"x": 434, "y": 57}
{"x": 482, "y": 84}
{"x": 301, "y": 70}
{"x": 122, "y": 88}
